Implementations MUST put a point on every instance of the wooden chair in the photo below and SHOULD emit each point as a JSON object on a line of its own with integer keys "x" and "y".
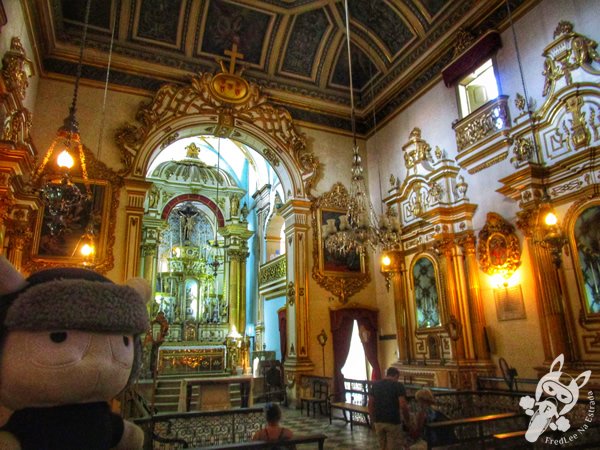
{"x": 319, "y": 396}
{"x": 274, "y": 383}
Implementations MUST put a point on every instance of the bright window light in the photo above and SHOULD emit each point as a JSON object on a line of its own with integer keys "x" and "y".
{"x": 477, "y": 88}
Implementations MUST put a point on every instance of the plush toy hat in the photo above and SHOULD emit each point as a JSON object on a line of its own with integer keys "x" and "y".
{"x": 70, "y": 342}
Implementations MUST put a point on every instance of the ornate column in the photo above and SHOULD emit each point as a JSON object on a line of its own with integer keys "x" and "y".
{"x": 6, "y": 203}
{"x": 236, "y": 240}
{"x": 235, "y": 274}
{"x": 395, "y": 272}
{"x": 19, "y": 235}
{"x": 403, "y": 334}
{"x": 134, "y": 214}
{"x": 555, "y": 337}
{"x": 445, "y": 248}
{"x": 296, "y": 214}
{"x": 151, "y": 229}
{"x": 477, "y": 315}
{"x": 463, "y": 302}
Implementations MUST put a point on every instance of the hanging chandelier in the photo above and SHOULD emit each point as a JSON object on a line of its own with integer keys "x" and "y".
{"x": 52, "y": 178}
{"x": 216, "y": 253}
{"x": 359, "y": 228}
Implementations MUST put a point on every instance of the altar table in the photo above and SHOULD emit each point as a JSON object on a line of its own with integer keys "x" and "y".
{"x": 174, "y": 359}
{"x": 214, "y": 392}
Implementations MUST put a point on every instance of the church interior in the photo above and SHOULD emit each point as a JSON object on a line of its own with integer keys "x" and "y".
{"x": 324, "y": 187}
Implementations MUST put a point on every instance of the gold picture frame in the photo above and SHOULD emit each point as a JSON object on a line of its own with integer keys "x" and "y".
{"x": 99, "y": 212}
{"x": 343, "y": 276}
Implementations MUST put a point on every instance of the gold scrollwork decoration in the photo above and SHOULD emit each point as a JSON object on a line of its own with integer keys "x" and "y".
{"x": 197, "y": 100}
{"x": 498, "y": 249}
{"x": 273, "y": 271}
{"x": 490, "y": 119}
{"x": 568, "y": 51}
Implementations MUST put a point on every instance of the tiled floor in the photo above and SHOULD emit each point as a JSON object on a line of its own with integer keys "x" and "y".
{"x": 338, "y": 433}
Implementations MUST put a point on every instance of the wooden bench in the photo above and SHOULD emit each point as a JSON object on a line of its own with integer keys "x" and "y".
{"x": 350, "y": 408}
{"x": 318, "y": 439}
{"x": 358, "y": 390}
{"x": 479, "y": 422}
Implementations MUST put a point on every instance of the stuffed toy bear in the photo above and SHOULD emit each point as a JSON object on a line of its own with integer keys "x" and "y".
{"x": 70, "y": 341}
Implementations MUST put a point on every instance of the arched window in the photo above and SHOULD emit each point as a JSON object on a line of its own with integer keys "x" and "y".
{"x": 426, "y": 293}
{"x": 587, "y": 241}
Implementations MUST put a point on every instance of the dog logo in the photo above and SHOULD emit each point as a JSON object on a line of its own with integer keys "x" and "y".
{"x": 553, "y": 399}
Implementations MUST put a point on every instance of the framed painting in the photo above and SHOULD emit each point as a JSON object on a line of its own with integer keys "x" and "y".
{"x": 341, "y": 274}
{"x": 97, "y": 213}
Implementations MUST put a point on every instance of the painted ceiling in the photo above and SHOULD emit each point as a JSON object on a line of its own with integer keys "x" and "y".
{"x": 295, "y": 49}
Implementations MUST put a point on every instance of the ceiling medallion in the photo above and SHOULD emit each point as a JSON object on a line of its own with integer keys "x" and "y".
{"x": 227, "y": 85}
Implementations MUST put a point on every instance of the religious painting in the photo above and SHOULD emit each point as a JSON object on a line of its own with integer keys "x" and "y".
{"x": 426, "y": 293}
{"x": 57, "y": 242}
{"x": 342, "y": 274}
{"x": 498, "y": 249}
{"x": 95, "y": 215}
{"x": 586, "y": 235}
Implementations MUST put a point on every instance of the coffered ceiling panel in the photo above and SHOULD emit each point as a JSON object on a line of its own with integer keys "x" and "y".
{"x": 294, "y": 49}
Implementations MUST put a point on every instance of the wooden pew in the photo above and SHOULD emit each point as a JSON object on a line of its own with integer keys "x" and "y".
{"x": 318, "y": 439}
{"x": 478, "y": 425}
{"x": 358, "y": 391}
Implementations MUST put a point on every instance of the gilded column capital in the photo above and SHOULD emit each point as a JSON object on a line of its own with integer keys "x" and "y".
{"x": 444, "y": 246}
{"x": 526, "y": 221}
{"x": 468, "y": 242}
{"x": 237, "y": 254}
{"x": 149, "y": 249}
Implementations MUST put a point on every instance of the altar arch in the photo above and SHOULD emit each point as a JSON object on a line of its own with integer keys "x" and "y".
{"x": 177, "y": 112}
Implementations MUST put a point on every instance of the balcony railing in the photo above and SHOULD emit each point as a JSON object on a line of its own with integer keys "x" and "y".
{"x": 485, "y": 122}
{"x": 273, "y": 271}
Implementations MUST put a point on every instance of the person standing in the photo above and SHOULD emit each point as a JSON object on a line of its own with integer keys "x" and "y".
{"x": 388, "y": 409}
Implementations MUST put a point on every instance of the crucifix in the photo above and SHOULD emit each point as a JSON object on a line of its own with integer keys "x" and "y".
{"x": 234, "y": 55}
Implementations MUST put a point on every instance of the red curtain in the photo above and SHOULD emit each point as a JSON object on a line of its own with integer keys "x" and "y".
{"x": 282, "y": 318}
{"x": 342, "y": 321}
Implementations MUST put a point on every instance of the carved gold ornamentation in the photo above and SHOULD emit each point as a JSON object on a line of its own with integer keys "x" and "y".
{"x": 341, "y": 283}
{"x": 273, "y": 271}
{"x": 198, "y": 100}
{"x": 488, "y": 120}
{"x": 489, "y": 163}
{"x": 568, "y": 52}
{"x": 499, "y": 250}
{"x": 271, "y": 156}
{"x": 291, "y": 293}
{"x": 416, "y": 150}
{"x": 520, "y": 102}
{"x": 16, "y": 69}
{"x": 580, "y": 136}
{"x": 463, "y": 40}
{"x": 522, "y": 150}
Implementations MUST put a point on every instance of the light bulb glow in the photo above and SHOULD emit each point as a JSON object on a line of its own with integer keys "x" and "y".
{"x": 550, "y": 219}
{"x": 87, "y": 249}
{"x": 65, "y": 160}
{"x": 386, "y": 261}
